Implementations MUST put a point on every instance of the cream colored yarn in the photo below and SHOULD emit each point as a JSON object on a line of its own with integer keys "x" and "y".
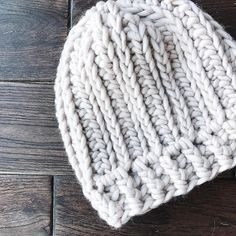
{"x": 146, "y": 103}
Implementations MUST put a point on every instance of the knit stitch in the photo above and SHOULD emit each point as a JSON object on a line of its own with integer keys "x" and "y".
{"x": 146, "y": 103}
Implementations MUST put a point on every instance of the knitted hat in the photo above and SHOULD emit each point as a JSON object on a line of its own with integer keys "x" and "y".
{"x": 146, "y": 103}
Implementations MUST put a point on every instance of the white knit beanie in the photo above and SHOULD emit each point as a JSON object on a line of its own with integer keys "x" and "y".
{"x": 146, "y": 103}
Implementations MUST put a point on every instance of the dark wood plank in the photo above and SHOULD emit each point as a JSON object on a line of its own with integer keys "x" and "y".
{"x": 229, "y": 174}
{"x": 25, "y": 205}
{"x": 208, "y": 210}
{"x": 32, "y": 35}
{"x": 29, "y": 140}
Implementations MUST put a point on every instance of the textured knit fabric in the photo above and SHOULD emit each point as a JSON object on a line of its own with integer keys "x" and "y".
{"x": 146, "y": 103}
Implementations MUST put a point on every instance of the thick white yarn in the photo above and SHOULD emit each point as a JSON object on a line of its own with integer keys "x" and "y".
{"x": 146, "y": 103}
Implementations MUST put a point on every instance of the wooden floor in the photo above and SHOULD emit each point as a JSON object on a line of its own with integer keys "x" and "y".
{"x": 38, "y": 192}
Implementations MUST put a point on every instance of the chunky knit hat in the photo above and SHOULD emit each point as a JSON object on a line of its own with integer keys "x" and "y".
{"x": 146, "y": 103}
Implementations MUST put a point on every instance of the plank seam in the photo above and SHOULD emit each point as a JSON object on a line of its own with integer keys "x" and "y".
{"x": 53, "y": 216}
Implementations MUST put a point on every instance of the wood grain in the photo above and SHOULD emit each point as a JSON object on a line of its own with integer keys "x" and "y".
{"x": 32, "y": 35}
{"x": 25, "y": 205}
{"x": 208, "y": 210}
{"x": 29, "y": 140}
